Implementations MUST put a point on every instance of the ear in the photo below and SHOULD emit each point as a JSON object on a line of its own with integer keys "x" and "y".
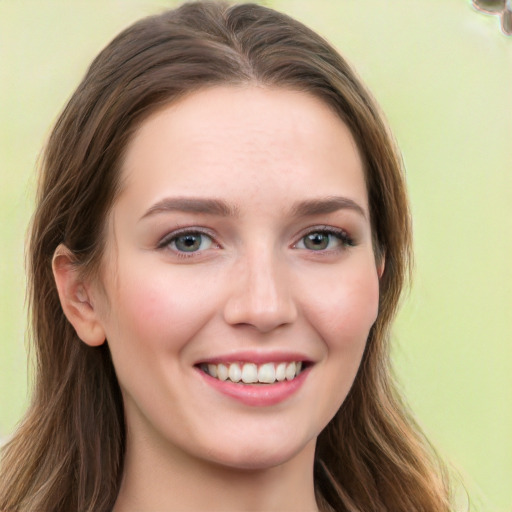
{"x": 76, "y": 298}
{"x": 381, "y": 265}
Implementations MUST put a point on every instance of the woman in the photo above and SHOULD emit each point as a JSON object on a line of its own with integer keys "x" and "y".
{"x": 220, "y": 242}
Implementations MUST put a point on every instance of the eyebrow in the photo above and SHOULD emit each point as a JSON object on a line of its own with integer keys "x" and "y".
{"x": 325, "y": 205}
{"x": 219, "y": 207}
{"x": 192, "y": 205}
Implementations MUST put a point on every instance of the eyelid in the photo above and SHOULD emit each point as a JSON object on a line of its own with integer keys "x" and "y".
{"x": 192, "y": 230}
{"x": 344, "y": 236}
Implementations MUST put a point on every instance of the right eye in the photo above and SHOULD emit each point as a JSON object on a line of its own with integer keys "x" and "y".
{"x": 188, "y": 242}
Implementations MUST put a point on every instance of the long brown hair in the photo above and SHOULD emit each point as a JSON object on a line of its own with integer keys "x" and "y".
{"x": 68, "y": 452}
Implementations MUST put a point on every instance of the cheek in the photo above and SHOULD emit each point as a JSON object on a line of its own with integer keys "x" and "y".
{"x": 342, "y": 317}
{"x": 346, "y": 311}
{"x": 154, "y": 309}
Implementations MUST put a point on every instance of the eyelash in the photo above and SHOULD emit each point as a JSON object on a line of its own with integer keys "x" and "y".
{"x": 172, "y": 237}
{"x": 345, "y": 240}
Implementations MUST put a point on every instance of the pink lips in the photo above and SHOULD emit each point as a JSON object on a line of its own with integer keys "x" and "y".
{"x": 257, "y": 395}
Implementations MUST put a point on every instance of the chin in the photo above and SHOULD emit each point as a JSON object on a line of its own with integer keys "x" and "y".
{"x": 256, "y": 456}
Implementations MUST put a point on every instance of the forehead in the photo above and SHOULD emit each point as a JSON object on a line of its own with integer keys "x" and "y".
{"x": 242, "y": 141}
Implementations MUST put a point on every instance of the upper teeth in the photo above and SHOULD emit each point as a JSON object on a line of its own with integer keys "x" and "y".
{"x": 250, "y": 373}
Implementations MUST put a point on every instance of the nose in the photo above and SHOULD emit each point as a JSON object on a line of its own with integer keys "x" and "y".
{"x": 261, "y": 294}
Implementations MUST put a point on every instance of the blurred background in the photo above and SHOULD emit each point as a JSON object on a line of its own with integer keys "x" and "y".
{"x": 442, "y": 73}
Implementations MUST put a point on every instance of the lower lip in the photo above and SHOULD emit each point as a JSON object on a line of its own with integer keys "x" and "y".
{"x": 257, "y": 395}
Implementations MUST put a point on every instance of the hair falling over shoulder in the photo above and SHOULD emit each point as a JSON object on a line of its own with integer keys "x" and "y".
{"x": 68, "y": 451}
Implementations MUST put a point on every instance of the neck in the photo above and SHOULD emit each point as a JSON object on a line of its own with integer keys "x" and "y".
{"x": 156, "y": 479}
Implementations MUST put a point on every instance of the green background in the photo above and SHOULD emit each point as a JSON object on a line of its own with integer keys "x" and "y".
{"x": 443, "y": 74}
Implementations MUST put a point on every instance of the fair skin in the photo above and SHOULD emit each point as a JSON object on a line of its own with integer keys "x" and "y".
{"x": 241, "y": 237}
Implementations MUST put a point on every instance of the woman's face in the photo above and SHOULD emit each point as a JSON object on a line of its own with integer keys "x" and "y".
{"x": 239, "y": 248}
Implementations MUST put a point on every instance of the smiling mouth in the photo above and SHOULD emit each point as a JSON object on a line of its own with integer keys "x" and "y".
{"x": 251, "y": 373}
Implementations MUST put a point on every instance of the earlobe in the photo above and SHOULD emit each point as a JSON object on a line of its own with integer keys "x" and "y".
{"x": 75, "y": 298}
{"x": 381, "y": 265}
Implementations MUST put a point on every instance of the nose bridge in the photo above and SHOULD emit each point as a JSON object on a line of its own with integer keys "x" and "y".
{"x": 261, "y": 293}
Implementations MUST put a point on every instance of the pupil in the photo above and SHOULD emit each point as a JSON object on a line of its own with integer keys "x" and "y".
{"x": 317, "y": 241}
{"x": 188, "y": 242}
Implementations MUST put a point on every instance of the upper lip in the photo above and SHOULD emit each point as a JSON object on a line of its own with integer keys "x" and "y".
{"x": 256, "y": 357}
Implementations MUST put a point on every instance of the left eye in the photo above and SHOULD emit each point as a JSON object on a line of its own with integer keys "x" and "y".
{"x": 190, "y": 242}
{"x": 322, "y": 240}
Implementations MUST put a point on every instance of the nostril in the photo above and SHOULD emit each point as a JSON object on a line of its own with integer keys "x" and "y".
{"x": 264, "y": 317}
{"x": 260, "y": 297}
